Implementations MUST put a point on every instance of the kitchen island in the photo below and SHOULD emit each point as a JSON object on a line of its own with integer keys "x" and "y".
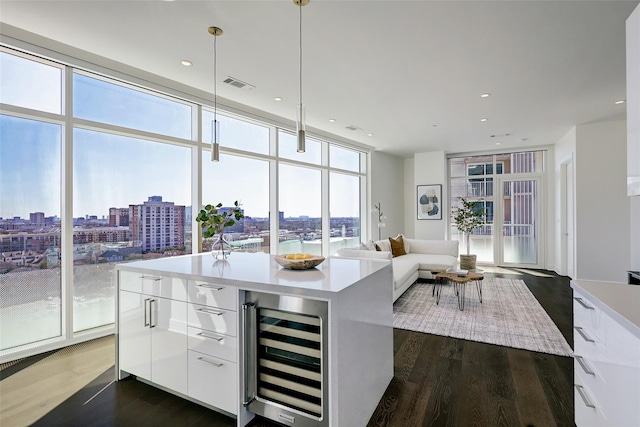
{"x": 185, "y": 325}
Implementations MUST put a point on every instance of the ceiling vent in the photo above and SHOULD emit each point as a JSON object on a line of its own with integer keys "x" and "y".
{"x": 501, "y": 135}
{"x": 352, "y": 127}
{"x": 238, "y": 83}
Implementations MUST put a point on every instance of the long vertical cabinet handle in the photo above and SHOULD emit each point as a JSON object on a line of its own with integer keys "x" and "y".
{"x": 146, "y": 311}
{"x": 151, "y": 325}
{"x": 250, "y": 357}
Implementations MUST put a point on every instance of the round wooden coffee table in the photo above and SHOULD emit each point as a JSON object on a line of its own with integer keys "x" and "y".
{"x": 459, "y": 283}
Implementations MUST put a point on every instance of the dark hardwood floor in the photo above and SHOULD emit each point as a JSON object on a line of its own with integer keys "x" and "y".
{"x": 438, "y": 381}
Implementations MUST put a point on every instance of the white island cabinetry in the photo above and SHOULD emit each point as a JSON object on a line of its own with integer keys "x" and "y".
{"x": 180, "y": 326}
{"x": 606, "y": 354}
{"x": 153, "y": 329}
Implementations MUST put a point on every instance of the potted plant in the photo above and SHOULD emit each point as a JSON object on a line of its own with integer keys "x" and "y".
{"x": 213, "y": 222}
{"x": 467, "y": 218}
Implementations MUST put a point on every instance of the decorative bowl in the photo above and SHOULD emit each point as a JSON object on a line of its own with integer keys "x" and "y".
{"x": 299, "y": 264}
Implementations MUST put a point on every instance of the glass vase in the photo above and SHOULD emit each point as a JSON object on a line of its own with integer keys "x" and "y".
{"x": 221, "y": 248}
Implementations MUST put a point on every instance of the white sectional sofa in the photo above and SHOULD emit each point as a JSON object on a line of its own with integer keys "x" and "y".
{"x": 420, "y": 258}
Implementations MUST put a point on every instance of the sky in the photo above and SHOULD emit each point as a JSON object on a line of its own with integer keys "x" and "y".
{"x": 116, "y": 171}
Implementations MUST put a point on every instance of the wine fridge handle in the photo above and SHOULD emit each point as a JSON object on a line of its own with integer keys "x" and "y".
{"x": 250, "y": 353}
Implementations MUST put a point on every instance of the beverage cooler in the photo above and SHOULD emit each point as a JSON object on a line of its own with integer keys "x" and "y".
{"x": 285, "y": 361}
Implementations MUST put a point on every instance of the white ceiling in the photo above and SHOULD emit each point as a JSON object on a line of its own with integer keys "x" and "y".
{"x": 410, "y": 72}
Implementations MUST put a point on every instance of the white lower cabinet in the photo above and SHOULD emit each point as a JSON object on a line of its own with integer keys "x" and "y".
{"x": 213, "y": 380}
{"x": 606, "y": 368}
{"x": 153, "y": 339}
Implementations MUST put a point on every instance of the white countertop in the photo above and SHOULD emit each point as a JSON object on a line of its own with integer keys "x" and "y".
{"x": 259, "y": 271}
{"x": 618, "y": 300}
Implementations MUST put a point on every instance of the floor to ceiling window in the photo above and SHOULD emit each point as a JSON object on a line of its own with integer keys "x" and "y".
{"x": 118, "y": 175}
{"x": 508, "y": 187}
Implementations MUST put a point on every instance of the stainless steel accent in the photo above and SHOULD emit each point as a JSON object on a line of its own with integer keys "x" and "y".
{"x": 287, "y": 379}
{"x": 208, "y": 286}
{"x": 151, "y": 325}
{"x": 146, "y": 311}
{"x": 250, "y": 354}
{"x": 584, "y": 304}
{"x": 584, "y": 366}
{"x": 154, "y": 278}
{"x": 217, "y": 365}
{"x": 583, "y": 334}
{"x": 202, "y": 334}
{"x": 583, "y": 395}
{"x": 210, "y": 311}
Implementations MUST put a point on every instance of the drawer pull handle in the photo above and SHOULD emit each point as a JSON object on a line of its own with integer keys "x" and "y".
{"x": 209, "y": 311}
{"x": 154, "y": 278}
{"x": 217, "y": 365}
{"x": 581, "y": 332}
{"x": 583, "y": 395}
{"x": 213, "y": 287}
{"x": 584, "y": 304}
{"x": 584, "y": 366}
{"x": 202, "y": 334}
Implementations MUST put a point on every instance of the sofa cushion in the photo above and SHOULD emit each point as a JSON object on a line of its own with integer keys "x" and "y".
{"x": 437, "y": 247}
{"x": 369, "y": 246}
{"x": 407, "y": 246}
{"x": 403, "y": 268}
{"x": 357, "y": 253}
{"x": 397, "y": 246}
{"x": 431, "y": 261}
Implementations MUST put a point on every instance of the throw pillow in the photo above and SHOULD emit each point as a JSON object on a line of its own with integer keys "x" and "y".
{"x": 406, "y": 243}
{"x": 370, "y": 245}
{"x": 397, "y": 246}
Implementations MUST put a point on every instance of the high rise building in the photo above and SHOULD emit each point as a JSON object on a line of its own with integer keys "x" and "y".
{"x": 156, "y": 224}
{"x": 118, "y": 217}
{"x": 36, "y": 218}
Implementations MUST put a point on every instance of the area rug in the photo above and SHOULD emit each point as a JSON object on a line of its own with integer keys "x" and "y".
{"x": 509, "y": 315}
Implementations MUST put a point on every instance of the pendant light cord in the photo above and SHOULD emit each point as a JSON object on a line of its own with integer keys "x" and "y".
{"x": 300, "y": 79}
{"x": 215, "y": 86}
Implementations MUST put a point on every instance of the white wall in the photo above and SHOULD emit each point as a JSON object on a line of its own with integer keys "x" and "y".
{"x": 387, "y": 178}
{"x": 428, "y": 168}
{"x": 563, "y": 152}
{"x": 634, "y": 235}
{"x": 409, "y": 194}
{"x": 602, "y": 206}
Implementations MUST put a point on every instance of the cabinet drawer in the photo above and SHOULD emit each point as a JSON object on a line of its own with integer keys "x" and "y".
{"x": 213, "y": 381}
{"x": 214, "y": 295}
{"x": 587, "y": 316}
{"x": 213, "y": 344}
{"x": 587, "y": 411}
{"x": 129, "y": 281}
{"x": 212, "y": 319}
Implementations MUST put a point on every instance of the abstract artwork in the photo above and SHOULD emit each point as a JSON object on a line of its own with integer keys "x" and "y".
{"x": 429, "y": 201}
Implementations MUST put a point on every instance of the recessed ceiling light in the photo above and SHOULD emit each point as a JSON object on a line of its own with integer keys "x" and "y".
{"x": 485, "y": 95}
{"x": 620, "y": 101}
{"x": 332, "y": 120}
{"x": 497, "y": 143}
{"x": 369, "y": 134}
{"x": 484, "y": 119}
{"x": 186, "y": 63}
{"x": 277, "y": 98}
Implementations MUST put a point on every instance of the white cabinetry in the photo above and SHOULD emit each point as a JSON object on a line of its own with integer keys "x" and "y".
{"x": 606, "y": 367}
{"x": 213, "y": 344}
{"x": 152, "y": 339}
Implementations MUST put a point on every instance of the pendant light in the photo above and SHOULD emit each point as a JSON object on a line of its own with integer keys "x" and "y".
{"x": 300, "y": 119}
{"x": 215, "y": 126}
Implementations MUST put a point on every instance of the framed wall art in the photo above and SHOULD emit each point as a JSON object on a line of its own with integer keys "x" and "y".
{"x": 429, "y": 201}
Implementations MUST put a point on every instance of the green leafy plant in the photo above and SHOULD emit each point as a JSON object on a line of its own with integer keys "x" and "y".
{"x": 213, "y": 221}
{"x": 468, "y": 217}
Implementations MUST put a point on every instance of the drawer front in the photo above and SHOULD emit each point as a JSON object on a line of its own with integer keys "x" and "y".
{"x": 213, "y": 344}
{"x": 129, "y": 281}
{"x": 587, "y": 411}
{"x": 165, "y": 287}
{"x": 214, "y": 295}
{"x": 212, "y": 319}
{"x": 213, "y": 381}
{"x": 588, "y": 316}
